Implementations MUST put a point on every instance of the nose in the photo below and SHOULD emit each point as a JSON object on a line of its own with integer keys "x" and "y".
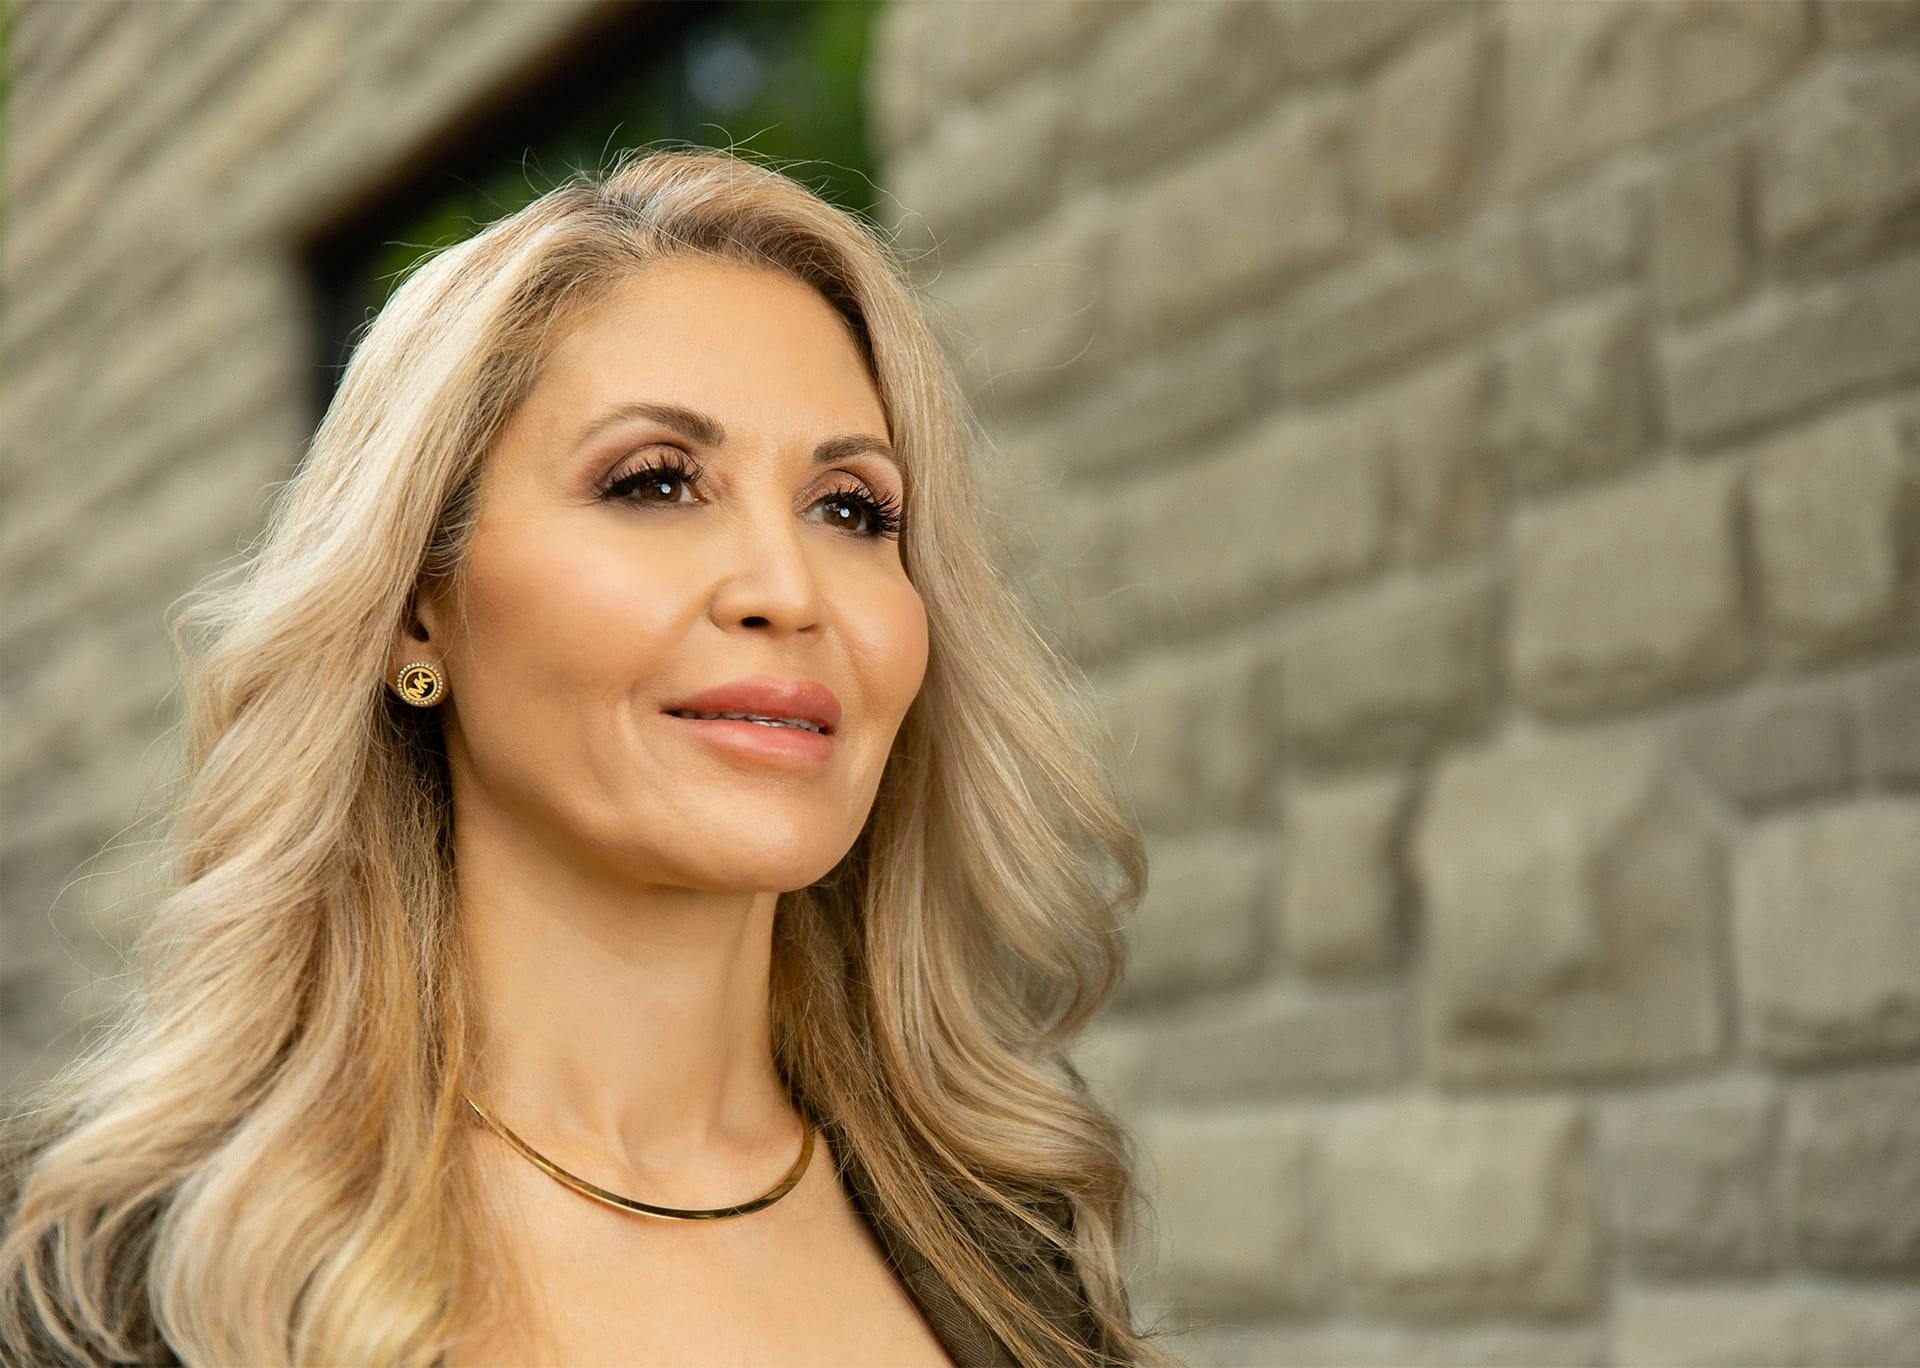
{"x": 768, "y": 573}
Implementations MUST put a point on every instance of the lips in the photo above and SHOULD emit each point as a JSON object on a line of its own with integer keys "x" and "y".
{"x": 769, "y": 696}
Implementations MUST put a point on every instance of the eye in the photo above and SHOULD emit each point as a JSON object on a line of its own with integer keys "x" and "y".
{"x": 884, "y": 516}
{"x": 674, "y": 466}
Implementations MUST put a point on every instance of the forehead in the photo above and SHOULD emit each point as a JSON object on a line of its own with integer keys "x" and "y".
{"x": 764, "y": 353}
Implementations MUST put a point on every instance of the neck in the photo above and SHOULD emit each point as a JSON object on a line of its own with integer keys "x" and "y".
{"x": 625, "y": 1029}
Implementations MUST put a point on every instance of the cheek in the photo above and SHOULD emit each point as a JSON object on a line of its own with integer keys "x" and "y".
{"x": 887, "y": 638}
{"x": 577, "y": 605}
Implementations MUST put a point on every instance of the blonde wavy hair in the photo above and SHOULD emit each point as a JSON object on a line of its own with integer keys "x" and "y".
{"x": 258, "y": 1162}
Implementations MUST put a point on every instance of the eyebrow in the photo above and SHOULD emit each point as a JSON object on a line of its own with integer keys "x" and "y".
{"x": 708, "y": 431}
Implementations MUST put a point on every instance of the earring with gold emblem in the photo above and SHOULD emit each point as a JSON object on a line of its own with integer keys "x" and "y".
{"x": 420, "y": 683}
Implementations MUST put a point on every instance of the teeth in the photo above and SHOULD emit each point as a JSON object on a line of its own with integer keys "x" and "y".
{"x": 754, "y": 717}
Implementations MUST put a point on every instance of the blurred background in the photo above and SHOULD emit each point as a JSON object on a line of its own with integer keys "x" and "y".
{"x": 1472, "y": 445}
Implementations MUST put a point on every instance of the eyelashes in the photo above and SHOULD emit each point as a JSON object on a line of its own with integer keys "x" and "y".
{"x": 885, "y": 517}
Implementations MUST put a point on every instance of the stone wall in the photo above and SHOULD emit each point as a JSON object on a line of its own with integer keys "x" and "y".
{"x": 1473, "y": 447}
{"x": 162, "y": 159}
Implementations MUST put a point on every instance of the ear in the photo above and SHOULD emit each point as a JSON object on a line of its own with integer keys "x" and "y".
{"x": 421, "y": 635}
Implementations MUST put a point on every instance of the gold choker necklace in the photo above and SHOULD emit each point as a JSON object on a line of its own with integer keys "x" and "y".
{"x": 614, "y": 1199}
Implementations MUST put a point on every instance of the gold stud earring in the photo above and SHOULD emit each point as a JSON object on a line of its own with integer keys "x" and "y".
{"x": 420, "y": 683}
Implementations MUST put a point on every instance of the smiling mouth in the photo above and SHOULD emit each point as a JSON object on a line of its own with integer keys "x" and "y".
{"x": 761, "y": 719}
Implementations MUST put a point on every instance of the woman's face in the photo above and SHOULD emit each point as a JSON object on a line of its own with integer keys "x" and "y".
{"x": 595, "y": 602}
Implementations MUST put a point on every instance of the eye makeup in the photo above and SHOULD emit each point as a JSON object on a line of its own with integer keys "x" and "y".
{"x": 885, "y": 516}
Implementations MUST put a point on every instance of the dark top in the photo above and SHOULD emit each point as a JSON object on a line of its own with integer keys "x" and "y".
{"x": 968, "y": 1340}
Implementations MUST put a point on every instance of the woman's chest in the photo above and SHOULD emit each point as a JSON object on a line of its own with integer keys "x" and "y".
{"x": 812, "y": 1289}
{"x": 838, "y": 1309}
{"x": 681, "y": 1326}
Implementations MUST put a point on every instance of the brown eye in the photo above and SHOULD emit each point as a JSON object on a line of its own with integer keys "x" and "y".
{"x": 883, "y": 514}
{"x": 673, "y": 468}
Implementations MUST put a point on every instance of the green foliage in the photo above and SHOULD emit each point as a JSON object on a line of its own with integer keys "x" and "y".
{"x": 780, "y": 80}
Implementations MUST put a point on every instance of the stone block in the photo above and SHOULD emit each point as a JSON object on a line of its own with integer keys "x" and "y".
{"x": 1275, "y": 1044}
{"x": 1864, "y": 23}
{"x": 1774, "y": 745}
{"x": 279, "y": 93}
{"x": 1266, "y": 203}
{"x": 1195, "y": 738}
{"x": 1427, "y": 123}
{"x": 1782, "y": 1325}
{"x": 1575, "y": 394}
{"x": 186, "y": 510}
{"x": 1328, "y": 36}
{"x": 1342, "y": 891}
{"x": 1464, "y": 1208}
{"x": 1354, "y": 1344}
{"x": 1801, "y": 347}
{"x": 1690, "y": 1178}
{"x": 1586, "y": 80}
{"x": 1234, "y": 1196}
{"x": 1031, "y": 309}
{"x": 1202, "y": 924}
{"x": 1579, "y": 82}
{"x": 49, "y": 41}
{"x": 1853, "y": 1169}
{"x": 1713, "y": 54}
{"x": 976, "y": 177}
{"x": 992, "y": 45}
{"x": 47, "y": 139}
{"x": 172, "y": 391}
{"x": 1391, "y": 674}
{"x": 1446, "y": 486}
{"x": 1598, "y": 231}
{"x": 1702, "y": 240}
{"x": 1827, "y": 936}
{"x": 1891, "y": 722}
{"x": 1388, "y": 310}
{"x": 901, "y": 86}
{"x": 1169, "y": 76}
{"x": 1836, "y": 529}
{"x": 1166, "y": 399}
{"x": 1840, "y": 160}
{"x": 1572, "y": 890}
{"x": 1629, "y": 593}
{"x": 1289, "y": 507}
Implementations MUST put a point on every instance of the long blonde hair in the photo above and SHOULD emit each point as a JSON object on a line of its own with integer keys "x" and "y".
{"x": 258, "y": 1162}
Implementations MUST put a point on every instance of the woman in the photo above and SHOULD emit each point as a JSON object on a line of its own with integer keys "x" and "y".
{"x": 508, "y": 1006}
